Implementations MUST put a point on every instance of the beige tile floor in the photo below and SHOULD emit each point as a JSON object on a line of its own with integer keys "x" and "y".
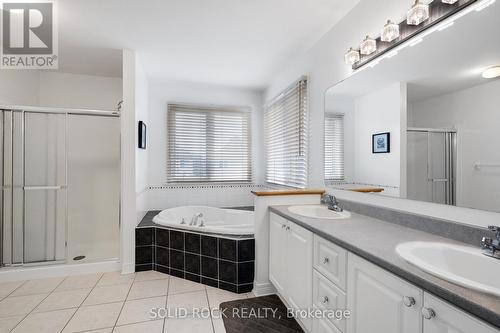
{"x": 109, "y": 302}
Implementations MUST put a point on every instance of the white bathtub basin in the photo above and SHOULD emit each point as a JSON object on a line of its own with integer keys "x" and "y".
{"x": 318, "y": 212}
{"x": 215, "y": 220}
{"x": 462, "y": 265}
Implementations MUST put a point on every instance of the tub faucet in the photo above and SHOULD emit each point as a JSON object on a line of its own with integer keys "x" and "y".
{"x": 194, "y": 219}
{"x": 332, "y": 203}
{"x": 491, "y": 247}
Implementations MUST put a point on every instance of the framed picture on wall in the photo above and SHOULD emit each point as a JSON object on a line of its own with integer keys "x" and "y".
{"x": 381, "y": 143}
{"x": 142, "y": 135}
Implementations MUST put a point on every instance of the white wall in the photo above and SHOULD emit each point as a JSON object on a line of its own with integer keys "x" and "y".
{"x": 474, "y": 112}
{"x": 141, "y": 155}
{"x": 128, "y": 164}
{"x": 56, "y": 89}
{"x": 378, "y": 112}
{"x": 163, "y": 92}
{"x": 79, "y": 91}
{"x": 19, "y": 87}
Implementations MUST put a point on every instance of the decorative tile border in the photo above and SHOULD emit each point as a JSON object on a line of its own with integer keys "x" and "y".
{"x": 223, "y": 263}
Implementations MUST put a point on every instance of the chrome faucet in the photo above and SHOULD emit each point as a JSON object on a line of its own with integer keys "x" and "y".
{"x": 194, "y": 219}
{"x": 491, "y": 247}
{"x": 333, "y": 203}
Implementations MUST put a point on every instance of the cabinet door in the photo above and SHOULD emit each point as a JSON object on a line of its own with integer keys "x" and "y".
{"x": 299, "y": 268}
{"x": 323, "y": 325}
{"x": 448, "y": 319}
{"x": 379, "y": 301}
{"x": 277, "y": 252}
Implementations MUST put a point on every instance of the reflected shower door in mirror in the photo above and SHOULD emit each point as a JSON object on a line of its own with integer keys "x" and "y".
{"x": 431, "y": 165}
{"x": 439, "y": 105}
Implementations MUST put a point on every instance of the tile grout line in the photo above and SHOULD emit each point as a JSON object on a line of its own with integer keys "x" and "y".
{"x": 24, "y": 318}
{"x": 124, "y": 301}
{"x": 210, "y": 309}
{"x": 166, "y": 302}
{"x": 78, "y": 308}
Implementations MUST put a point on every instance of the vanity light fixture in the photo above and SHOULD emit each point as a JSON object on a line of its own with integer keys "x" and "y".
{"x": 491, "y": 72}
{"x": 352, "y": 56}
{"x": 368, "y": 46}
{"x": 418, "y": 13}
{"x": 450, "y": 2}
{"x": 390, "y": 31}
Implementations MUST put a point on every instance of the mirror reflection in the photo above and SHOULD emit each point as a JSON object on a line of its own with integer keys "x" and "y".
{"x": 424, "y": 124}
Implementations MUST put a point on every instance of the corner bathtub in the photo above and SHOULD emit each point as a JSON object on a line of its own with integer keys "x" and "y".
{"x": 216, "y": 220}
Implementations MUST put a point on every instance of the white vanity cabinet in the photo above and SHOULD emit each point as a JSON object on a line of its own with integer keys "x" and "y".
{"x": 290, "y": 263}
{"x": 277, "y": 253}
{"x": 380, "y": 301}
{"x": 441, "y": 317}
{"x": 311, "y": 272}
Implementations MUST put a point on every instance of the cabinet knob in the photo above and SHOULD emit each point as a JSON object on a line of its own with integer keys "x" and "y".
{"x": 326, "y": 260}
{"x": 409, "y": 301}
{"x": 428, "y": 313}
{"x": 324, "y": 299}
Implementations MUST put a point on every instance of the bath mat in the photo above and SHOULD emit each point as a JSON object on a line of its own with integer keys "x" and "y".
{"x": 266, "y": 314}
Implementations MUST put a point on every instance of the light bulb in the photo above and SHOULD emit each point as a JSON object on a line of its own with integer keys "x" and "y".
{"x": 418, "y": 13}
{"x": 492, "y": 72}
{"x": 450, "y": 2}
{"x": 351, "y": 56}
{"x": 368, "y": 46}
{"x": 390, "y": 32}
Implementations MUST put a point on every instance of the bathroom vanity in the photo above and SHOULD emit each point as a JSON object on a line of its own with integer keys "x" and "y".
{"x": 352, "y": 264}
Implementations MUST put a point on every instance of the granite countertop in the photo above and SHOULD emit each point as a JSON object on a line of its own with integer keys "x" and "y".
{"x": 376, "y": 241}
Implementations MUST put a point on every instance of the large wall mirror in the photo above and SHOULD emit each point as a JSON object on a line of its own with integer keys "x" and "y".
{"x": 424, "y": 124}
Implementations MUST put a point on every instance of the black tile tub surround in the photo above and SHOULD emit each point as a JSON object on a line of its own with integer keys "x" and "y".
{"x": 144, "y": 236}
{"x": 223, "y": 263}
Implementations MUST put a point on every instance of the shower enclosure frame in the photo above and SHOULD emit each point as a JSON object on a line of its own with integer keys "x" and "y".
{"x": 450, "y": 160}
{"x": 42, "y": 110}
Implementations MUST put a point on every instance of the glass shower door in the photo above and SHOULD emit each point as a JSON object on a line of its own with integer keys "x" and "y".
{"x": 34, "y": 187}
{"x": 44, "y": 187}
{"x": 431, "y": 166}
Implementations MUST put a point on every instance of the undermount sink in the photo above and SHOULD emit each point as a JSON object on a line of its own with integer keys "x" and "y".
{"x": 318, "y": 212}
{"x": 465, "y": 266}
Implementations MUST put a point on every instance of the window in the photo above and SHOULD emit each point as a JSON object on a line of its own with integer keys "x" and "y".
{"x": 208, "y": 144}
{"x": 334, "y": 147}
{"x": 286, "y": 137}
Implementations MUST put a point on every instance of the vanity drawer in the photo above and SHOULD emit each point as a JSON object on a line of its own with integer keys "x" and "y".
{"x": 327, "y": 296}
{"x": 331, "y": 261}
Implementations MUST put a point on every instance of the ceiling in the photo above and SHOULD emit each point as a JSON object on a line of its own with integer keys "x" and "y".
{"x": 225, "y": 42}
{"x": 446, "y": 61}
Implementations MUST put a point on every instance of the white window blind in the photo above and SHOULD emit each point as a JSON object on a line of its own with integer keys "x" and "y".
{"x": 334, "y": 147}
{"x": 208, "y": 144}
{"x": 286, "y": 137}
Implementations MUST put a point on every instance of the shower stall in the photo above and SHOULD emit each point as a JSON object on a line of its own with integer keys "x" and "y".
{"x": 431, "y": 165}
{"x": 60, "y": 174}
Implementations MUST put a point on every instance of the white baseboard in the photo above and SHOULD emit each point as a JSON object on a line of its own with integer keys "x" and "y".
{"x": 128, "y": 268}
{"x": 263, "y": 289}
{"x": 40, "y": 272}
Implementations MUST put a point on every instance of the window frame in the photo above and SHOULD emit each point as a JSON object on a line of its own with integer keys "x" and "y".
{"x": 300, "y": 111}
{"x": 246, "y": 113}
{"x": 332, "y": 115}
